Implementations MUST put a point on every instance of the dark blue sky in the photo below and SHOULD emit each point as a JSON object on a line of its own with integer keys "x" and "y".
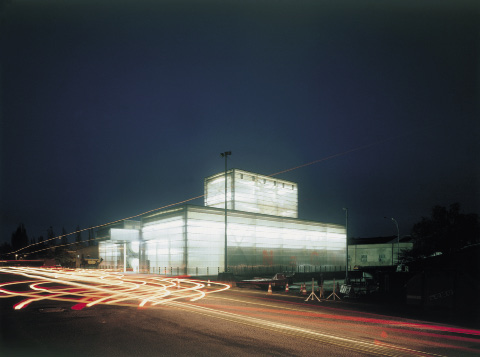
{"x": 110, "y": 109}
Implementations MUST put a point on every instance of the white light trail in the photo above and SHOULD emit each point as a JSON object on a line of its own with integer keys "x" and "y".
{"x": 87, "y": 288}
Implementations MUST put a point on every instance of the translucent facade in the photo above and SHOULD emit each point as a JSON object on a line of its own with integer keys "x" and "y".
{"x": 262, "y": 232}
{"x": 190, "y": 240}
{"x": 251, "y": 192}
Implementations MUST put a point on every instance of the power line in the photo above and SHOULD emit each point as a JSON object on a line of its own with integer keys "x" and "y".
{"x": 101, "y": 225}
{"x": 327, "y": 158}
{"x": 194, "y": 198}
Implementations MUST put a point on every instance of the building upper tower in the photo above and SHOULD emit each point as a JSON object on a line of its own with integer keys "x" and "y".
{"x": 251, "y": 192}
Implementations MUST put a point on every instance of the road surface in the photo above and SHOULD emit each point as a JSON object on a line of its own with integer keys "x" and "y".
{"x": 95, "y": 313}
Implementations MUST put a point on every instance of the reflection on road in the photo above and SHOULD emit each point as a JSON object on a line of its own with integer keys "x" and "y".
{"x": 305, "y": 324}
{"x": 86, "y": 288}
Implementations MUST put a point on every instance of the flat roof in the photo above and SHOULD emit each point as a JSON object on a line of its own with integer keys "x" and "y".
{"x": 257, "y": 175}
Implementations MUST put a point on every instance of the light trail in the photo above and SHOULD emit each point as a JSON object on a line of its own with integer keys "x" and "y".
{"x": 382, "y": 330}
{"x": 347, "y": 342}
{"x": 86, "y": 288}
{"x": 378, "y": 319}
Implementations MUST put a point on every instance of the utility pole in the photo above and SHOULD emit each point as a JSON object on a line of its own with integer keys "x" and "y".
{"x": 346, "y": 245}
{"x": 398, "y": 239}
{"x": 225, "y": 154}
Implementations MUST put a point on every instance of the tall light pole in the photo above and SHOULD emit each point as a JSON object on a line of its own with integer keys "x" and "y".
{"x": 225, "y": 154}
{"x": 346, "y": 244}
{"x": 398, "y": 238}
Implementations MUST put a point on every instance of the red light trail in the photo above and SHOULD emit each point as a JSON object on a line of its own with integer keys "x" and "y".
{"x": 86, "y": 288}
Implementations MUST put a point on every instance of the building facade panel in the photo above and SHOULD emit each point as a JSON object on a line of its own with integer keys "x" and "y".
{"x": 264, "y": 232}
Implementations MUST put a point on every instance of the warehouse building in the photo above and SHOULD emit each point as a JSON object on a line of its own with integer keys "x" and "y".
{"x": 263, "y": 232}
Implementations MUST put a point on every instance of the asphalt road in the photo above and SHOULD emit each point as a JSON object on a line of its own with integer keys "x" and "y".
{"x": 234, "y": 322}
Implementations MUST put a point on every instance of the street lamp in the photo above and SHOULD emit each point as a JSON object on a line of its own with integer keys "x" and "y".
{"x": 346, "y": 244}
{"x": 398, "y": 238}
{"x": 225, "y": 154}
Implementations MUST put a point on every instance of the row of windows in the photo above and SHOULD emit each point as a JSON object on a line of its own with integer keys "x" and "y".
{"x": 265, "y": 181}
{"x": 364, "y": 258}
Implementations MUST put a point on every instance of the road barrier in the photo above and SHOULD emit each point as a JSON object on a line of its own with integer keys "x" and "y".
{"x": 312, "y": 294}
{"x": 334, "y": 293}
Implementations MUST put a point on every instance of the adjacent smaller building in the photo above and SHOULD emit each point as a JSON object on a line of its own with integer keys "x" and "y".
{"x": 376, "y": 251}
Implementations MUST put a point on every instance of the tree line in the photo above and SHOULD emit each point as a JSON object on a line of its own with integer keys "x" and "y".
{"x": 21, "y": 247}
{"x": 445, "y": 232}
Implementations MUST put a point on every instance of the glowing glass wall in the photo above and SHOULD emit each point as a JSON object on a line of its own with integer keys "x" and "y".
{"x": 251, "y": 192}
{"x": 267, "y": 241}
{"x": 112, "y": 255}
{"x": 191, "y": 240}
{"x": 214, "y": 189}
{"x": 165, "y": 239}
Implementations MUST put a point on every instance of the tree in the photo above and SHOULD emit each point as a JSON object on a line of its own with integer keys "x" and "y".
{"x": 50, "y": 236}
{"x": 40, "y": 247}
{"x": 446, "y": 231}
{"x": 19, "y": 238}
{"x": 5, "y": 250}
{"x": 64, "y": 237}
{"x": 78, "y": 237}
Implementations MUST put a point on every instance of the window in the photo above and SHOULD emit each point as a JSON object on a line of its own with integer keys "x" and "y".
{"x": 241, "y": 176}
{"x": 381, "y": 258}
{"x": 364, "y": 258}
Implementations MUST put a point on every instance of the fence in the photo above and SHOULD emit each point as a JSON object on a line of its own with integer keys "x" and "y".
{"x": 236, "y": 270}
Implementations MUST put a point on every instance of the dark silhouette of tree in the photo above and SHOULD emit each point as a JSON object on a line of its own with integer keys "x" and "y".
{"x": 78, "y": 237}
{"x": 19, "y": 238}
{"x": 446, "y": 231}
{"x": 5, "y": 250}
{"x": 39, "y": 249}
{"x": 50, "y": 235}
{"x": 64, "y": 237}
{"x": 63, "y": 257}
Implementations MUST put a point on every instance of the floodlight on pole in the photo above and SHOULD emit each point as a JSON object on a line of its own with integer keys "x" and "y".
{"x": 225, "y": 154}
{"x": 398, "y": 238}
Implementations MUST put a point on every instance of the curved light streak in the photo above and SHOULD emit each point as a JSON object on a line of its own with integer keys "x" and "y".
{"x": 86, "y": 288}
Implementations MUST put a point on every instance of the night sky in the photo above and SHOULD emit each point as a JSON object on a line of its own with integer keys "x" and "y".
{"x": 113, "y": 108}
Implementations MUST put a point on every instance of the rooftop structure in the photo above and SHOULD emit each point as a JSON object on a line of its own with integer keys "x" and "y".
{"x": 263, "y": 232}
{"x": 251, "y": 192}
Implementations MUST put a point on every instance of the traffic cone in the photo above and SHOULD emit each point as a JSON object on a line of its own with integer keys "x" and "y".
{"x": 286, "y": 288}
{"x": 208, "y": 282}
{"x": 269, "y": 289}
{"x": 304, "y": 290}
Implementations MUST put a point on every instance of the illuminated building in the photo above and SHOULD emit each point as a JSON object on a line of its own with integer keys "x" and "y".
{"x": 264, "y": 231}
